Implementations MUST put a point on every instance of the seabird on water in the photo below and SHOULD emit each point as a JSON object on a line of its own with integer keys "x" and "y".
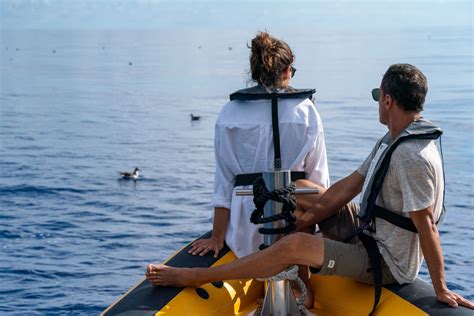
{"x": 195, "y": 117}
{"x": 130, "y": 175}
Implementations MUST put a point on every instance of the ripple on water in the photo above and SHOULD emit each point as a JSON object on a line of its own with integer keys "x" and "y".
{"x": 29, "y": 190}
{"x": 6, "y": 234}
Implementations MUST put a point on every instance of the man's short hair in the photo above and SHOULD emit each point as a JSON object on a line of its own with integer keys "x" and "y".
{"x": 407, "y": 85}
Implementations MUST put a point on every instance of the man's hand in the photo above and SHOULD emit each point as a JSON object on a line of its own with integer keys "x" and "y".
{"x": 425, "y": 224}
{"x": 203, "y": 246}
{"x": 453, "y": 299}
{"x": 316, "y": 208}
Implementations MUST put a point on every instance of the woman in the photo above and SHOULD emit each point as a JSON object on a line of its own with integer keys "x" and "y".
{"x": 244, "y": 145}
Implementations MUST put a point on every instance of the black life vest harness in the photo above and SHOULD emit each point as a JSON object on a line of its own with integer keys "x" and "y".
{"x": 369, "y": 211}
{"x": 262, "y": 93}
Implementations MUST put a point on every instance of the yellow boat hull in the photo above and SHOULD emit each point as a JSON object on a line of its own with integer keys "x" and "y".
{"x": 333, "y": 295}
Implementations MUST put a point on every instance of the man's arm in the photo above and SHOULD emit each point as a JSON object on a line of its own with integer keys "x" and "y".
{"x": 321, "y": 206}
{"x": 429, "y": 240}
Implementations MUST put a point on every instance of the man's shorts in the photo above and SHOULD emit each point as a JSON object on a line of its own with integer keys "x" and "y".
{"x": 347, "y": 259}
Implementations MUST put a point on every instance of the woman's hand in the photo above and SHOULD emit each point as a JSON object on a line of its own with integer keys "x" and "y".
{"x": 203, "y": 246}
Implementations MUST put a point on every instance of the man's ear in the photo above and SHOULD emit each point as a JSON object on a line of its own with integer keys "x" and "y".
{"x": 388, "y": 102}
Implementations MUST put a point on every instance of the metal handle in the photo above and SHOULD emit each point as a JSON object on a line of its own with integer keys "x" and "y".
{"x": 298, "y": 191}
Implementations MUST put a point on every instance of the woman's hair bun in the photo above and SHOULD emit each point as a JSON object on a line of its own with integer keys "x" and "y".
{"x": 269, "y": 58}
{"x": 262, "y": 43}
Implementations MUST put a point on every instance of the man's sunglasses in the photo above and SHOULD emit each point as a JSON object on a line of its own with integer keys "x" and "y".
{"x": 376, "y": 94}
{"x": 293, "y": 70}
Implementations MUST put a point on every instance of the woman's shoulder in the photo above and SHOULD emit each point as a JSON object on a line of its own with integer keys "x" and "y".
{"x": 302, "y": 106}
{"x": 235, "y": 111}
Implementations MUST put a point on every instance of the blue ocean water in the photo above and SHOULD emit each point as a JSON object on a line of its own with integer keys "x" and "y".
{"x": 77, "y": 106}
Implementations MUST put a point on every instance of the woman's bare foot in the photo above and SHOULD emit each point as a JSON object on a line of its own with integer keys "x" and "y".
{"x": 169, "y": 276}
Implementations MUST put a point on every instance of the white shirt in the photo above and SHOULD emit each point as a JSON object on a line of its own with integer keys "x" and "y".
{"x": 244, "y": 144}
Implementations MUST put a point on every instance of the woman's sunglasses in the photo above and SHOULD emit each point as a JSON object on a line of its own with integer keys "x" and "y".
{"x": 293, "y": 70}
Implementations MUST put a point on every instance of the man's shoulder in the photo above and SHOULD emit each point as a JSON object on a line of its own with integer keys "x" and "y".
{"x": 412, "y": 148}
{"x": 415, "y": 152}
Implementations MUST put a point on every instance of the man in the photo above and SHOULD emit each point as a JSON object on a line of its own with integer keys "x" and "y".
{"x": 402, "y": 178}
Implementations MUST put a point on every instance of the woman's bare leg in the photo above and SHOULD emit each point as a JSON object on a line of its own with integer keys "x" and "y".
{"x": 298, "y": 248}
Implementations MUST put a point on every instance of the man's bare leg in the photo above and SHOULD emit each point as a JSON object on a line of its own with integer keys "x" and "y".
{"x": 298, "y": 248}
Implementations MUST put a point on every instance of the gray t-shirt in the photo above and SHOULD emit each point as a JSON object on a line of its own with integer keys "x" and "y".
{"x": 414, "y": 181}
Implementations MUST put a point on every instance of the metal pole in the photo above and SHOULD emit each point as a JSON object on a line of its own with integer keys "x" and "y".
{"x": 298, "y": 191}
{"x": 279, "y": 297}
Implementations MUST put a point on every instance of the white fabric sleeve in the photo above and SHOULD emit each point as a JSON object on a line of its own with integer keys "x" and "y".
{"x": 223, "y": 178}
{"x": 316, "y": 164}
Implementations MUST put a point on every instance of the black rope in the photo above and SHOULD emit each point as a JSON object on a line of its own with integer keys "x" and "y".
{"x": 261, "y": 196}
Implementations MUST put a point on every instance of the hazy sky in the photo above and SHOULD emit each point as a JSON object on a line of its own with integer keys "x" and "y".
{"x": 126, "y": 14}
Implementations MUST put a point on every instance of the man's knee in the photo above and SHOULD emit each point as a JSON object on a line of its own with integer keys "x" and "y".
{"x": 292, "y": 245}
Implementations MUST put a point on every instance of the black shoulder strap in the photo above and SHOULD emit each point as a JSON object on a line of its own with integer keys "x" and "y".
{"x": 398, "y": 220}
{"x": 393, "y": 218}
{"x": 276, "y": 132}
